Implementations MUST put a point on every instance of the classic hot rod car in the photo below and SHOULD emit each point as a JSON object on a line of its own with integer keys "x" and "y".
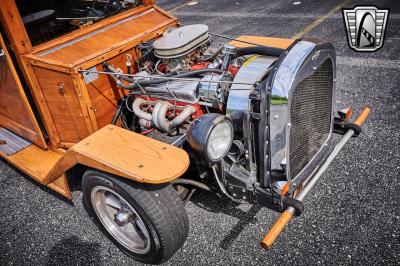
{"x": 145, "y": 110}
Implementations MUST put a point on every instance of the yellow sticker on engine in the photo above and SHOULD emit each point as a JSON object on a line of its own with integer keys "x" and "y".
{"x": 248, "y": 61}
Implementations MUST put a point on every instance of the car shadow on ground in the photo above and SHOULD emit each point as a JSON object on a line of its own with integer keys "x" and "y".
{"x": 217, "y": 203}
{"x": 29, "y": 179}
{"x": 74, "y": 251}
{"x": 211, "y": 202}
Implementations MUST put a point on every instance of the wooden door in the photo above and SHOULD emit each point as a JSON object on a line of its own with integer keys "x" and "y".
{"x": 15, "y": 111}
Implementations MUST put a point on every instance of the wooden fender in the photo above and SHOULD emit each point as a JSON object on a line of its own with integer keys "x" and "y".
{"x": 124, "y": 153}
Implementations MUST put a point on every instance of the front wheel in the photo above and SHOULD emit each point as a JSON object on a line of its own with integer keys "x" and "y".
{"x": 148, "y": 222}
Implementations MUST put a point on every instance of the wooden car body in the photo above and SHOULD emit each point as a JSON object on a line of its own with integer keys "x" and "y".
{"x": 56, "y": 107}
{"x": 45, "y": 100}
{"x": 58, "y": 99}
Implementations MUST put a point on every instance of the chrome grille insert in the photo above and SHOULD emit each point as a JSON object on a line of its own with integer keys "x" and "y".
{"x": 310, "y": 117}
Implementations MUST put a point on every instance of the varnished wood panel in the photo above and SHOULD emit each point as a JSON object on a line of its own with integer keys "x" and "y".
{"x": 267, "y": 41}
{"x": 37, "y": 163}
{"x": 34, "y": 161}
{"x": 148, "y": 2}
{"x": 63, "y": 103}
{"x": 11, "y": 106}
{"x": 60, "y": 185}
{"x": 84, "y": 108}
{"x": 15, "y": 112}
{"x": 38, "y": 97}
{"x": 112, "y": 36}
{"x": 126, "y": 154}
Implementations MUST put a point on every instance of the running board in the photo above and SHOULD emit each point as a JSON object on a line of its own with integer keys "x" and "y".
{"x": 11, "y": 143}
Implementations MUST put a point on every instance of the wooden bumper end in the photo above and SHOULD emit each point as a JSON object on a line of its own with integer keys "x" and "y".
{"x": 363, "y": 115}
{"x": 276, "y": 229}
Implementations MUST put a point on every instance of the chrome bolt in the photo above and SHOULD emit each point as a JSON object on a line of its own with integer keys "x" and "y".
{"x": 122, "y": 218}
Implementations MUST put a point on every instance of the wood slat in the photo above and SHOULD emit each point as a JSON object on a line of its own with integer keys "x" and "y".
{"x": 267, "y": 41}
{"x": 14, "y": 26}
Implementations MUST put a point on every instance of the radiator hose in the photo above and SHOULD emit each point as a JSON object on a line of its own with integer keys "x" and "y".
{"x": 261, "y": 50}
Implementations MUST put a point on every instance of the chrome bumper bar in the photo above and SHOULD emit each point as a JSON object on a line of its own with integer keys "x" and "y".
{"x": 288, "y": 214}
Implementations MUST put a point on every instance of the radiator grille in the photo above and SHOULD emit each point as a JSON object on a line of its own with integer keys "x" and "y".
{"x": 310, "y": 117}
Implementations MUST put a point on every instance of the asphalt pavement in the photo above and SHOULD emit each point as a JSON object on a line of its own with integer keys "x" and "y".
{"x": 351, "y": 217}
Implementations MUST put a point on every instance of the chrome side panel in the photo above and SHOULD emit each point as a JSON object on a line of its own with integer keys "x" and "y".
{"x": 252, "y": 71}
{"x": 238, "y": 107}
{"x": 302, "y": 60}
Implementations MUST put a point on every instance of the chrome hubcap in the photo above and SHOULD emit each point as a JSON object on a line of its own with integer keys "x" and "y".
{"x": 120, "y": 219}
{"x": 123, "y": 217}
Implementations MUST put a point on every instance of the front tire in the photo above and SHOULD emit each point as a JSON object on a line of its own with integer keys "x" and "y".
{"x": 148, "y": 222}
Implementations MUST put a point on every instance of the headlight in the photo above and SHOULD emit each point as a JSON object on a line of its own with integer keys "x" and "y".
{"x": 211, "y": 135}
{"x": 220, "y": 140}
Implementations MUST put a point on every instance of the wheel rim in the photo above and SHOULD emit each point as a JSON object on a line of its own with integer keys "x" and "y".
{"x": 120, "y": 219}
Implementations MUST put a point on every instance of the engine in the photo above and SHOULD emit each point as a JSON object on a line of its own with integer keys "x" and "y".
{"x": 179, "y": 78}
{"x": 262, "y": 112}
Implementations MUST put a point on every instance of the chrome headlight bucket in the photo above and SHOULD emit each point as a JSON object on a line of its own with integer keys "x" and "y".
{"x": 211, "y": 136}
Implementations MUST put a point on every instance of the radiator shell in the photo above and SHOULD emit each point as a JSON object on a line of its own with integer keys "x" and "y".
{"x": 301, "y": 97}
